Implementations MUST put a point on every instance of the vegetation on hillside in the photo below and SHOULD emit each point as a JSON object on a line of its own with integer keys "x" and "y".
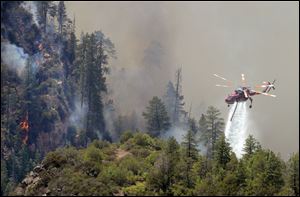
{"x": 142, "y": 165}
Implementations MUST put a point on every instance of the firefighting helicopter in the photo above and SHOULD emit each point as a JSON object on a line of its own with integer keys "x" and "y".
{"x": 244, "y": 92}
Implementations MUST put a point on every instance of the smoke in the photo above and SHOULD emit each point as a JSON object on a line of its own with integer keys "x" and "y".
{"x": 133, "y": 87}
{"x": 30, "y": 6}
{"x": 236, "y": 130}
{"x": 176, "y": 132}
{"x": 109, "y": 118}
{"x": 14, "y": 56}
{"x": 77, "y": 116}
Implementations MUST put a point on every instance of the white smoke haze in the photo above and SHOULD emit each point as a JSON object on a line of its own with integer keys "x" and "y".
{"x": 30, "y": 6}
{"x": 109, "y": 118}
{"x": 237, "y": 129}
{"x": 14, "y": 56}
{"x": 176, "y": 132}
{"x": 77, "y": 117}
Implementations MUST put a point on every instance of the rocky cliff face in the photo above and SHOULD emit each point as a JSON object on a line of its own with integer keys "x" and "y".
{"x": 31, "y": 181}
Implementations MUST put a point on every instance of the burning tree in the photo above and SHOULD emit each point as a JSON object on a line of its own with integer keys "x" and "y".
{"x": 25, "y": 128}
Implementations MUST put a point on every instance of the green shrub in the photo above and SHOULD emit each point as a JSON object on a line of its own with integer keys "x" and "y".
{"x": 126, "y": 136}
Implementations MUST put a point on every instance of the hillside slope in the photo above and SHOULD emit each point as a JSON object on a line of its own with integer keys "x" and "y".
{"x": 141, "y": 165}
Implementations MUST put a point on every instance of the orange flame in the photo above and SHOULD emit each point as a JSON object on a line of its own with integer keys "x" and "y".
{"x": 25, "y": 128}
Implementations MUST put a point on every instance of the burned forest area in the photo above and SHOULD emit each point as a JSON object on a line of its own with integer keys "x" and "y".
{"x": 65, "y": 130}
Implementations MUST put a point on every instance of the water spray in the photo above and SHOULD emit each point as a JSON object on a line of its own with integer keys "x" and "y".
{"x": 236, "y": 129}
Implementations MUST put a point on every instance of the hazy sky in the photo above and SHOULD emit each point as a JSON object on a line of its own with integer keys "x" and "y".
{"x": 259, "y": 39}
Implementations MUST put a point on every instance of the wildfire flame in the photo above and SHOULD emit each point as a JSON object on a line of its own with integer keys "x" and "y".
{"x": 25, "y": 128}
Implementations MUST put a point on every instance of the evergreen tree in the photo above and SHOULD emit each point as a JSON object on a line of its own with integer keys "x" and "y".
{"x": 94, "y": 52}
{"x": 251, "y": 146}
{"x": 172, "y": 147}
{"x": 202, "y": 124}
{"x": 52, "y": 9}
{"x": 178, "y": 107}
{"x": 80, "y": 72}
{"x": 222, "y": 154}
{"x": 191, "y": 154}
{"x": 190, "y": 145}
{"x": 172, "y": 152}
{"x": 264, "y": 174}
{"x": 25, "y": 165}
{"x": 70, "y": 53}
{"x": 157, "y": 117}
{"x": 42, "y": 11}
{"x": 214, "y": 128}
{"x": 293, "y": 173}
{"x": 193, "y": 126}
{"x": 61, "y": 16}
{"x": 163, "y": 175}
{"x": 169, "y": 100}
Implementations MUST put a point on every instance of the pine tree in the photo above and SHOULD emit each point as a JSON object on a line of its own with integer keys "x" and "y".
{"x": 251, "y": 146}
{"x": 61, "y": 16}
{"x": 42, "y": 11}
{"x": 293, "y": 173}
{"x": 264, "y": 174}
{"x": 202, "y": 124}
{"x": 172, "y": 147}
{"x": 52, "y": 9}
{"x": 80, "y": 72}
{"x": 193, "y": 126}
{"x": 157, "y": 117}
{"x": 213, "y": 129}
{"x": 172, "y": 151}
{"x": 222, "y": 154}
{"x": 168, "y": 170}
{"x": 94, "y": 52}
{"x": 70, "y": 53}
{"x": 190, "y": 145}
{"x": 191, "y": 154}
{"x": 178, "y": 107}
{"x": 169, "y": 100}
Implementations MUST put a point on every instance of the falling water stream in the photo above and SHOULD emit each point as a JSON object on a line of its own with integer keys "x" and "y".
{"x": 236, "y": 130}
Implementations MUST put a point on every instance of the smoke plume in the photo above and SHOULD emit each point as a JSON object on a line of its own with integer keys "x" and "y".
{"x": 14, "y": 56}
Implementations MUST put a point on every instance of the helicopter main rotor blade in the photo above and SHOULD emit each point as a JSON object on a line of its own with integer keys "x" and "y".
{"x": 264, "y": 86}
{"x": 243, "y": 79}
{"x": 220, "y": 77}
{"x": 266, "y": 94}
{"x": 224, "y": 86}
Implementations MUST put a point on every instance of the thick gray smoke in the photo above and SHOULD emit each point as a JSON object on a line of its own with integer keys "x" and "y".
{"x": 133, "y": 83}
{"x": 14, "y": 56}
